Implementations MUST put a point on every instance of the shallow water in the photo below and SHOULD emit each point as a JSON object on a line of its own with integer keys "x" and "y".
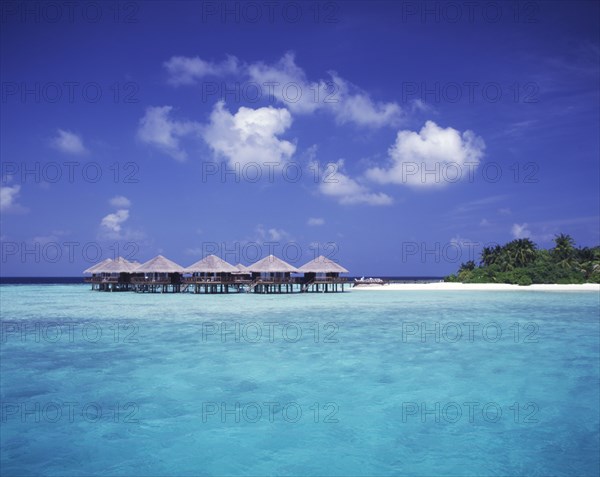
{"x": 360, "y": 383}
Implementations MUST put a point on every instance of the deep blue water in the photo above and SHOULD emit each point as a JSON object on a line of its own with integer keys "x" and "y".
{"x": 360, "y": 383}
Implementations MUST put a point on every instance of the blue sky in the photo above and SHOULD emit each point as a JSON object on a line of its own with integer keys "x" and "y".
{"x": 397, "y": 138}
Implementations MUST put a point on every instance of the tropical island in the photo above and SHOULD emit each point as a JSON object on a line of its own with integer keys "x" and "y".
{"x": 521, "y": 262}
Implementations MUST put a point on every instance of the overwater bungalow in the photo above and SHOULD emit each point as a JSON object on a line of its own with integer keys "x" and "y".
{"x": 157, "y": 275}
{"x": 111, "y": 275}
{"x": 242, "y": 272}
{"x": 272, "y": 275}
{"x": 115, "y": 275}
{"x": 322, "y": 275}
{"x": 214, "y": 275}
{"x": 94, "y": 269}
{"x": 211, "y": 275}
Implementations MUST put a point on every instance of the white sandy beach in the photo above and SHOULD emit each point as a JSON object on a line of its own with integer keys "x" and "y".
{"x": 448, "y": 286}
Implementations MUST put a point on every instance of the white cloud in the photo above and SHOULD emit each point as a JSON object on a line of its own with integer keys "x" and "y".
{"x": 504, "y": 211}
{"x": 111, "y": 226}
{"x": 286, "y": 83}
{"x": 185, "y": 71}
{"x": 250, "y": 135}
{"x": 460, "y": 241}
{"x": 347, "y": 102}
{"x": 348, "y": 191}
{"x": 315, "y": 221}
{"x": 112, "y": 222}
{"x": 310, "y": 154}
{"x": 356, "y": 106}
{"x": 484, "y": 223}
{"x": 158, "y": 129}
{"x": 520, "y": 231}
{"x": 433, "y": 157}
{"x": 8, "y": 198}
{"x": 271, "y": 235}
{"x": 277, "y": 234}
{"x": 464, "y": 247}
{"x": 69, "y": 142}
{"x": 419, "y": 106}
{"x": 120, "y": 202}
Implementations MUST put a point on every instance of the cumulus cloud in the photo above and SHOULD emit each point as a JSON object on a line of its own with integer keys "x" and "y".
{"x": 348, "y": 103}
{"x": 8, "y": 198}
{"x": 120, "y": 202}
{"x": 250, "y": 135}
{"x": 111, "y": 226}
{"x": 158, "y": 129}
{"x": 277, "y": 234}
{"x": 348, "y": 191}
{"x": 69, "y": 142}
{"x": 520, "y": 231}
{"x": 112, "y": 222}
{"x": 271, "y": 234}
{"x": 432, "y": 157}
{"x": 356, "y": 106}
{"x": 186, "y": 71}
{"x": 315, "y": 221}
{"x": 287, "y": 83}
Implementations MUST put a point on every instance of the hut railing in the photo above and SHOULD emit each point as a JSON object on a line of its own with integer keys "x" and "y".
{"x": 214, "y": 280}
{"x": 151, "y": 281}
{"x": 330, "y": 280}
{"x": 276, "y": 280}
{"x": 101, "y": 280}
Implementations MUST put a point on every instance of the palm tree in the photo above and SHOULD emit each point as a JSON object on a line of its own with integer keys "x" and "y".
{"x": 521, "y": 252}
{"x": 470, "y": 265}
{"x": 564, "y": 250}
{"x": 588, "y": 261}
{"x": 490, "y": 255}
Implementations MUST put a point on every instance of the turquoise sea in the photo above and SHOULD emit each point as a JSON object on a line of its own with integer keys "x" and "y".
{"x": 353, "y": 384}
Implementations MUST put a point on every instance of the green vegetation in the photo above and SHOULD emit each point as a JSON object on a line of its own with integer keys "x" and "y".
{"x": 520, "y": 262}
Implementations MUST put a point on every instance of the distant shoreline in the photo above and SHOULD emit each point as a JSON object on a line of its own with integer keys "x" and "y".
{"x": 456, "y": 286}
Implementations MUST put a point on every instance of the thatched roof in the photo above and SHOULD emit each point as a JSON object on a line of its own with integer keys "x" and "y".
{"x": 159, "y": 264}
{"x": 211, "y": 264}
{"x": 119, "y": 265}
{"x": 271, "y": 264}
{"x": 241, "y": 270}
{"x": 322, "y": 264}
{"x": 93, "y": 268}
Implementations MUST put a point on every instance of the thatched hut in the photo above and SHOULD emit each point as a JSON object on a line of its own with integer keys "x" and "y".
{"x": 117, "y": 274}
{"x": 111, "y": 275}
{"x": 212, "y": 274}
{"x": 322, "y": 274}
{"x": 97, "y": 275}
{"x": 97, "y": 266}
{"x": 272, "y": 275}
{"x": 118, "y": 265}
{"x": 158, "y": 274}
